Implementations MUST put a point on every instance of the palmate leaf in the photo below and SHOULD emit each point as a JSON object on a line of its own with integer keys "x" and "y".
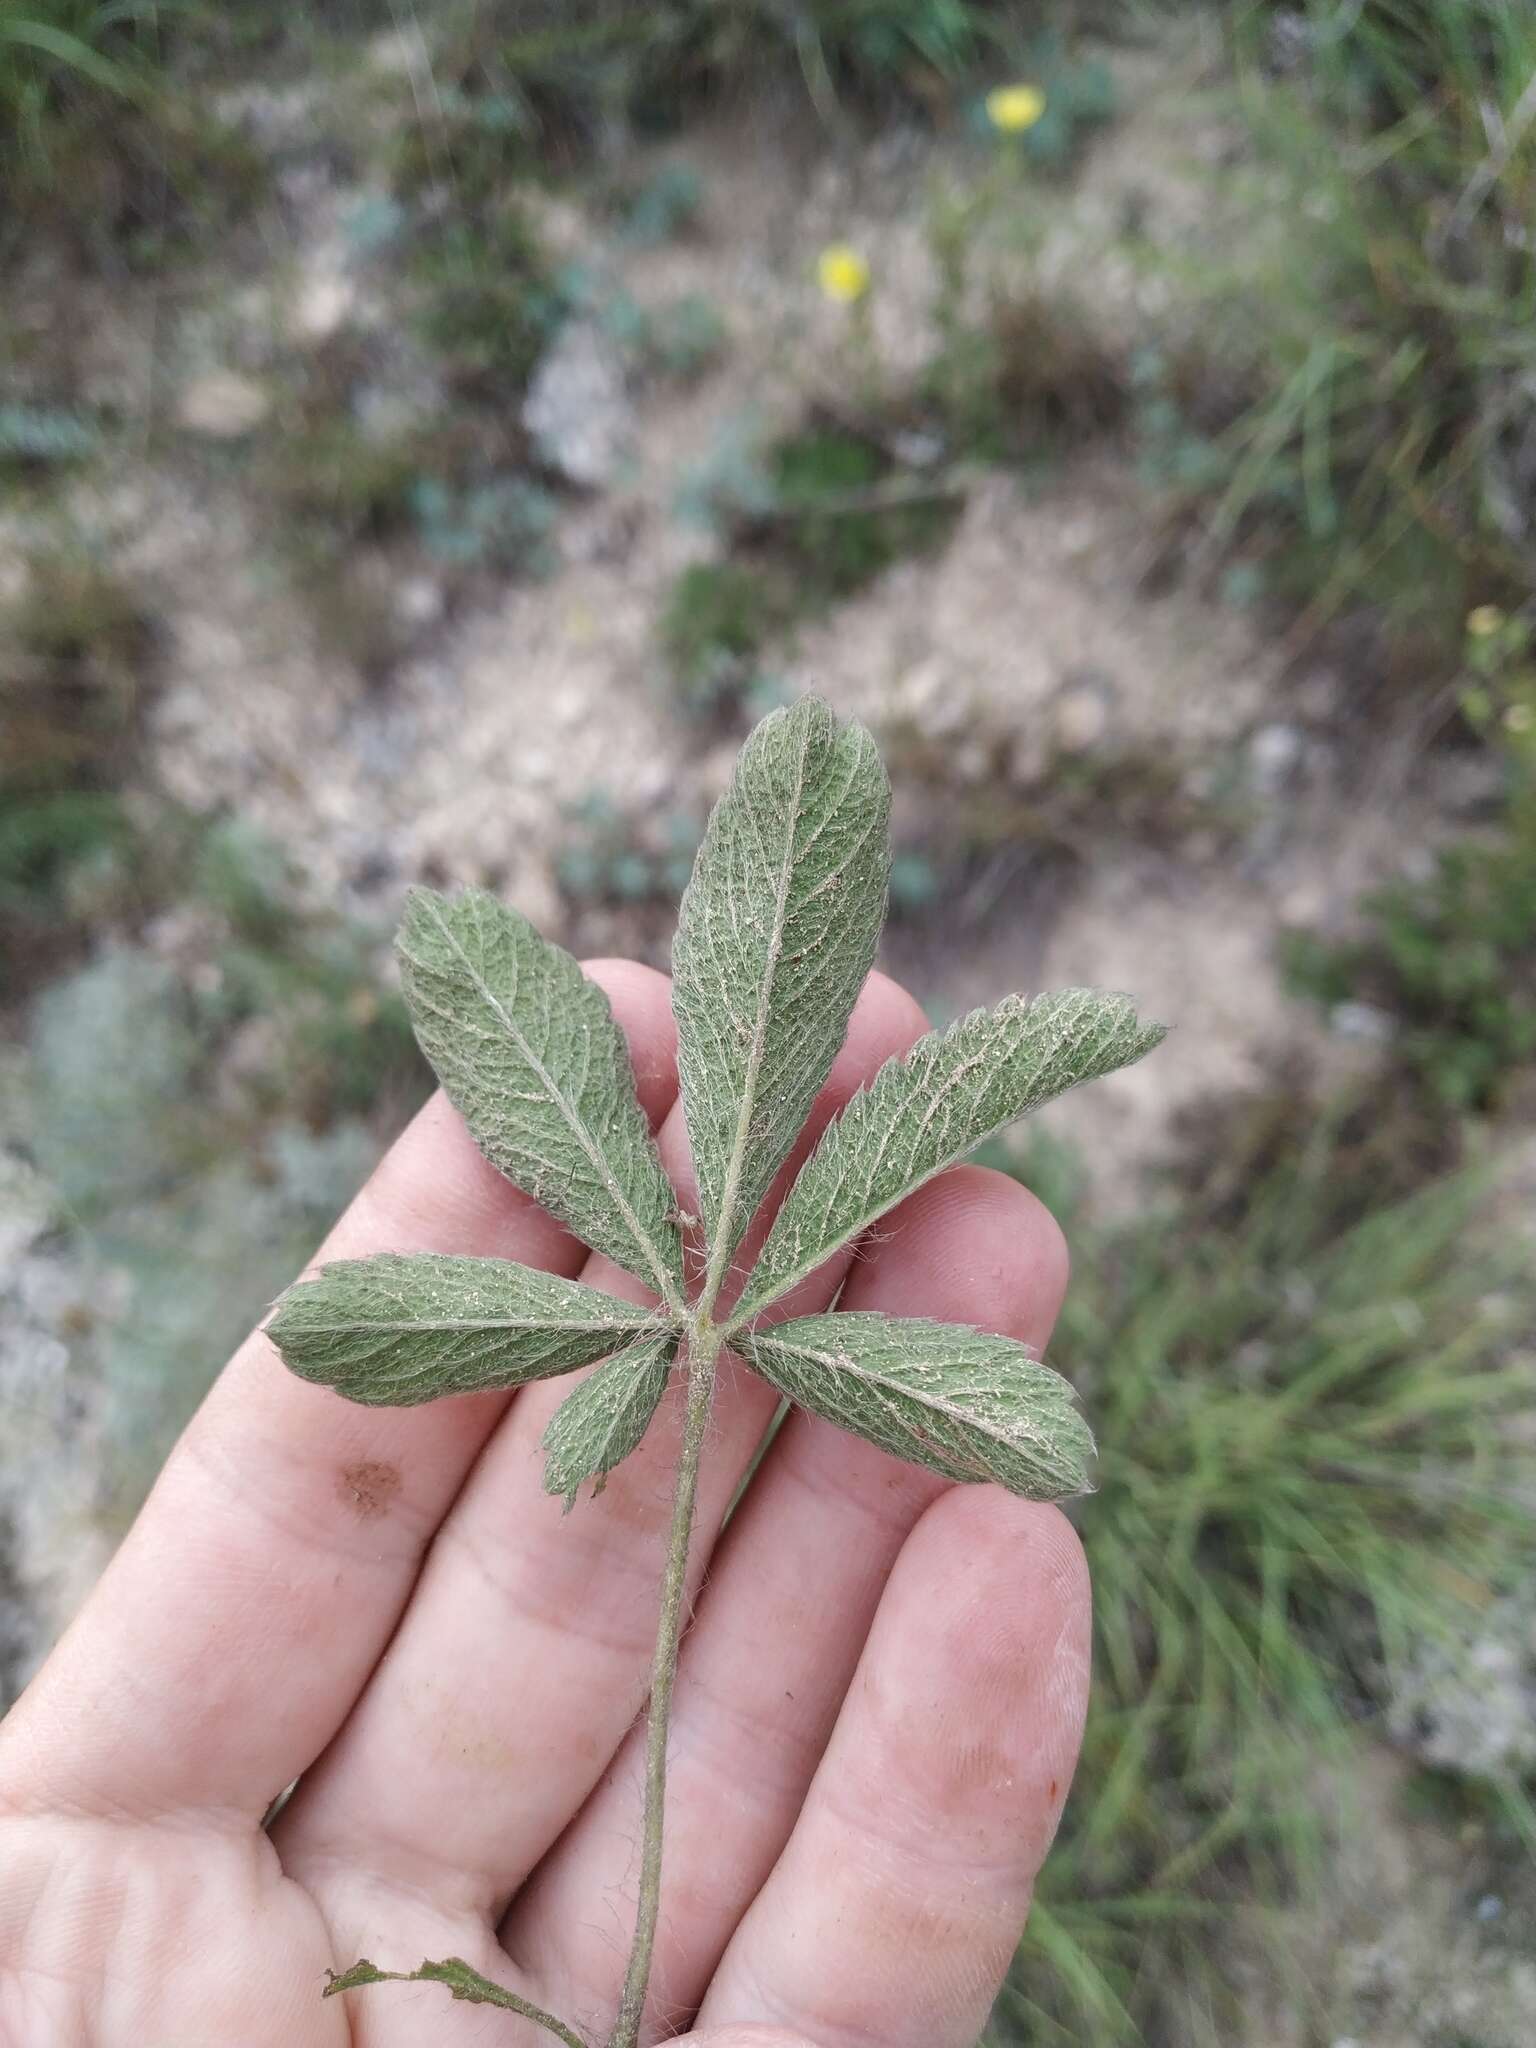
{"x": 395, "y": 1330}
{"x": 963, "y": 1403}
{"x": 529, "y": 1054}
{"x": 926, "y": 1110}
{"x": 602, "y": 1421}
{"x": 776, "y": 932}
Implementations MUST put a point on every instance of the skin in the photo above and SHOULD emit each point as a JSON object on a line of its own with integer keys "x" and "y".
{"x": 878, "y": 1707}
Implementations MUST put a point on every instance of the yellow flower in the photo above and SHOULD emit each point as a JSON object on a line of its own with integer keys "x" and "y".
{"x": 842, "y": 273}
{"x": 1484, "y": 621}
{"x": 1013, "y": 108}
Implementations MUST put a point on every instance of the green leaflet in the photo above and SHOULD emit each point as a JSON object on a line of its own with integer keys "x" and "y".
{"x": 965, "y": 1404}
{"x": 598, "y": 1424}
{"x": 923, "y": 1112}
{"x": 460, "y": 1981}
{"x": 529, "y": 1053}
{"x": 394, "y": 1330}
{"x": 776, "y": 932}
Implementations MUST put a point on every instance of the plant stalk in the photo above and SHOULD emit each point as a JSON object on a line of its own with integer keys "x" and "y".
{"x": 703, "y": 1353}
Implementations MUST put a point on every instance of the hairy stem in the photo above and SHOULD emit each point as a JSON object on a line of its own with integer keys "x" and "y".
{"x": 704, "y": 1351}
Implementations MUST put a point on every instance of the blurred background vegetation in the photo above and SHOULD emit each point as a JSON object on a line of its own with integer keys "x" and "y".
{"x": 428, "y": 438}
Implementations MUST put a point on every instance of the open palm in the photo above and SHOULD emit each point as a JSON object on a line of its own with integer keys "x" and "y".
{"x": 876, "y": 1719}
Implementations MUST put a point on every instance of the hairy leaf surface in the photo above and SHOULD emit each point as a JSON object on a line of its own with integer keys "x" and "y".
{"x": 926, "y": 1110}
{"x": 602, "y": 1420}
{"x": 529, "y": 1054}
{"x": 963, "y": 1403}
{"x": 775, "y": 935}
{"x": 394, "y": 1330}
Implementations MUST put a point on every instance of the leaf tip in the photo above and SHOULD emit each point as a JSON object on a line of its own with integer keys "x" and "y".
{"x": 419, "y": 899}
{"x": 362, "y": 1972}
{"x": 1077, "y": 1453}
{"x": 282, "y": 1323}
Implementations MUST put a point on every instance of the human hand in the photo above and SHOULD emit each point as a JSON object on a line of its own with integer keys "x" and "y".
{"x": 876, "y": 1719}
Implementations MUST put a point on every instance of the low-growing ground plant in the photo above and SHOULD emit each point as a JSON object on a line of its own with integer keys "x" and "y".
{"x": 101, "y": 152}
{"x": 564, "y": 76}
{"x": 805, "y": 520}
{"x": 58, "y": 54}
{"x": 455, "y": 501}
{"x": 78, "y": 653}
{"x": 717, "y": 620}
{"x": 681, "y": 339}
{"x": 777, "y": 932}
{"x": 76, "y": 646}
{"x": 1386, "y": 461}
{"x": 1311, "y": 1405}
{"x": 35, "y": 439}
{"x": 611, "y": 857}
{"x": 1448, "y": 957}
{"x": 487, "y": 303}
{"x": 660, "y": 207}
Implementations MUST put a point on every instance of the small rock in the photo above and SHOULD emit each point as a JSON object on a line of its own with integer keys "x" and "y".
{"x": 929, "y": 696}
{"x": 1470, "y": 1706}
{"x": 1029, "y": 758}
{"x": 1362, "y": 1022}
{"x": 400, "y": 53}
{"x": 1304, "y": 904}
{"x": 915, "y": 449}
{"x": 419, "y": 601}
{"x": 325, "y": 303}
{"x": 1274, "y": 753}
{"x": 223, "y": 405}
{"x": 577, "y": 408}
{"x": 277, "y": 119}
{"x": 1082, "y": 712}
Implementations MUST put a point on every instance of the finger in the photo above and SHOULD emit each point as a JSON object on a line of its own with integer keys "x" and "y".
{"x": 231, "y": 1634}
{"x": 526, "y": 1654}
{"x": 893, "y": 1912}
{"x": 791, "y": 1595}
{"x": 745, "y": 2037}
